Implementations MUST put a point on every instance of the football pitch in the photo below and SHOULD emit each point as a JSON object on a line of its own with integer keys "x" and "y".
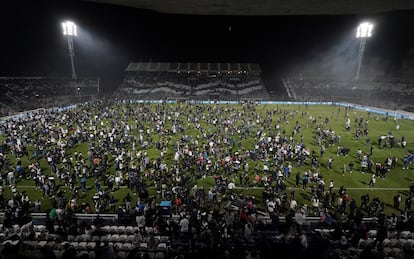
{"x": 264, "y": 121}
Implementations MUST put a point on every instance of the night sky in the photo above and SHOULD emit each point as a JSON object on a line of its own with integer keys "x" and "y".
{"x": 112, "y": 36}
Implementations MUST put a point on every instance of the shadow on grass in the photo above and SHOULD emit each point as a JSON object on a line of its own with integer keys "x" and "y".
{"x": 405, "y": 193}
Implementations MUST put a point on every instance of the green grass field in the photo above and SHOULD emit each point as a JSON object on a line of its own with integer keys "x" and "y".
{"x": 397, "y": 180}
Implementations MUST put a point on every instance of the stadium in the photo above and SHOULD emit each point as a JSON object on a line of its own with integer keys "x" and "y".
{"x": 193, "y": 133}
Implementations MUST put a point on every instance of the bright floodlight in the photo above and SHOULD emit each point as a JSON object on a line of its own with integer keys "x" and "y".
{"x": 364, "y": 30}
{"x": 70, "y": 31}
{"x": 69, "y": 28}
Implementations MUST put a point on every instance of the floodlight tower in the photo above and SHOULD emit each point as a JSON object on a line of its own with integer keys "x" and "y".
{"x": 70, "y": 30}
{"x": 364, "y": 31}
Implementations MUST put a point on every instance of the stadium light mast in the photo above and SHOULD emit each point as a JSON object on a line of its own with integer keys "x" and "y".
{"x": 364, "y": 31}
{"x": 70, "y": 31}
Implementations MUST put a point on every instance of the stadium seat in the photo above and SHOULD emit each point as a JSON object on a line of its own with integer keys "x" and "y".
{"x": 395, "y": 243}
{"x": 63, "y": 244}
{"x": 54, "y": 237}
{"x": 85, "y": 237}
{"x": 130, "y": 238}
{"x": 121, "y": 230}
{"x": 123, "y": 238}
{"x": 80, "y": 253}
{"x": 51, "y": 244}
{"x": 91, "y": 245}
{"x": 387, "y": 251}
{"x": 106, "y": 238}
{"x": 82, "y": 246}
{"x": 74, "y": 244}
{"x": 118, "y": 246}
{"x": 127, "y": 247}
{"x": 122, "y": 255}
{"x": 106, "y": 229}
{"x": 402, "y": 242}
{"x": 372, "y": 233}
{"x": 114, "y": 238}
{"x": 164, "y": 239}
{"x": 393, "y": 235}
{"x": 397, "y": 252}
{"x": 41, "y": 244}
{"x": 149, "y": 230}
{"x": 143, "y": 246}
{"x": 129, "y": 230}
{"x": 113, "y": 230}
{"x": 405, "y": 234}
{"x": 161, "y": 247}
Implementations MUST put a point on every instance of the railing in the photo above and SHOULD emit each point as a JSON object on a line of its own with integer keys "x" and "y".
{"x": 40, "y": 218}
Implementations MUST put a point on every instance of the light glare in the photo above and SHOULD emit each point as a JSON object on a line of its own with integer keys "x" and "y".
{"x": 364, "y": 30}
{"x": 69, "y": 28}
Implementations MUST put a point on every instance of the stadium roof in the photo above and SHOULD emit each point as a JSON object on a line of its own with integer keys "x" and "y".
{"x": 193, "y": 67}
{"x": 266, "y": 7}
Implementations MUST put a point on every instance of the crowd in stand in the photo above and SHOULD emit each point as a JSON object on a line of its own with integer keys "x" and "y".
{"x": 382, "y": 93}
{"x": 192, "y": 85}
{"x": 27, "y": 93}
{"x": 192, "y": 142}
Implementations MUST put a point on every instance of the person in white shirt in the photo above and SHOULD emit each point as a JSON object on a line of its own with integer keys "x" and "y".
{"x": 140, "y": 219}
{"x": 184, "y": 225}
{"x": 331, "y": 185}
{"x": 373, "y": 180}
{"x": 231, "y": 186}
{"x": 271, "y": 205}
{"x": 37, "y": 205}
{"x": 10, "y": 177}
{"x": 299, "y": 219}
{"x": 293, "y": 204}
{"x": 26, "y": 230}
{"x": 315, "y": 204}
